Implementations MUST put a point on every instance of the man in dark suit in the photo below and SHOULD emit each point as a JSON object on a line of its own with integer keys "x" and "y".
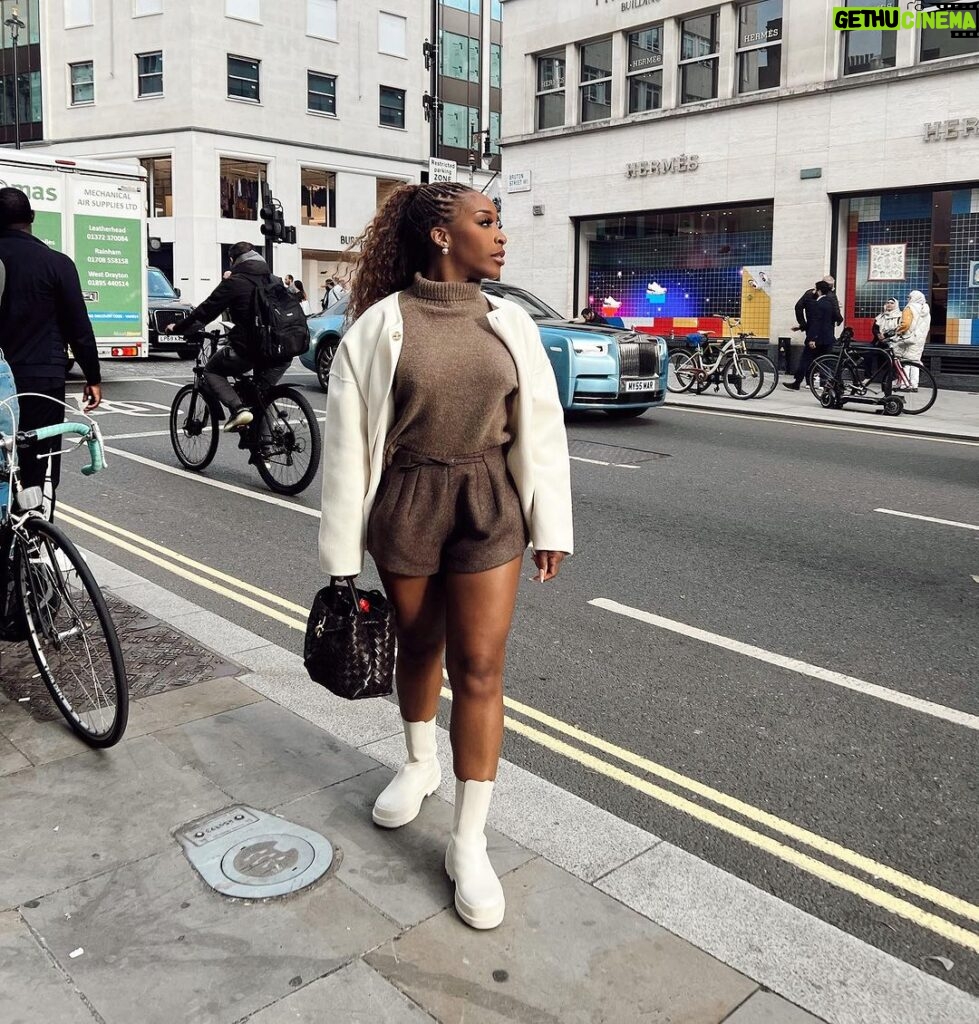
{"x": 42, "y": 312}
{"x": 822, "y": 315}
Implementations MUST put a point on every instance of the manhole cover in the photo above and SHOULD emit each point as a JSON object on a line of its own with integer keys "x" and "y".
{"x": 248, "y": 853}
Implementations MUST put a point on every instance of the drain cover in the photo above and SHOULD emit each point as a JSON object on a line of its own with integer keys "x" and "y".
{"x": 248, "y": 853}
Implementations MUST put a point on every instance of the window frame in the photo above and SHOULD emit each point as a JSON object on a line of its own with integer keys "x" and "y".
{"x": 248, "y": 19}
{"x": 846, "y": 33}
{"x": 404, "y": 22}
{"x": 641, "y": 72}
{"x": 79, "y": 24}
{"x": 331, "y": 214}
{"x": 561, "y": 89}
{"x": 472, "y": 124}
{"x": 713, "y": 57}
{"x": 72, "y": 102}
{"x": 591, "y": 82}
{"x": 262, "y": 177}
{"x": 151, "y": 183}
{"x": 918, "y": 59}
{"x": 137, "y": 13}
{"x": 258, "y": 79}
{"x": 403, "y": 127}
{"x": 335, "y": 38}
{"x": 309, "y": 92}
{"x": 140, "y": 76}
{"x": 740, "y": 51}
{"x": 496, "y": 48}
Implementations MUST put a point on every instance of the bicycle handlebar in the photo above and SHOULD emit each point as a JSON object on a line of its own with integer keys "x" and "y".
{"x": 84, "y": 430}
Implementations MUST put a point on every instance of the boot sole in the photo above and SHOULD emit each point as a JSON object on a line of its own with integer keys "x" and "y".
{"x": 482, "y": 920}
{"x": 397, "y": 820}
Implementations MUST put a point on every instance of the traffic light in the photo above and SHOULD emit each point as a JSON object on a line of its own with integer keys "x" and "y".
{"x": 268, "y": 213}
{"x": 278, "y": 224}
{"x": 289, "y": 235}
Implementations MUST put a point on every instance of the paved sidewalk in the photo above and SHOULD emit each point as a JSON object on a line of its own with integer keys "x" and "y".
{"x": 103, "y": 919}
{"x": 955, "y": 414}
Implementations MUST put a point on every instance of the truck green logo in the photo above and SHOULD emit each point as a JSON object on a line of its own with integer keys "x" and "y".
{"x": 38, "y": 192}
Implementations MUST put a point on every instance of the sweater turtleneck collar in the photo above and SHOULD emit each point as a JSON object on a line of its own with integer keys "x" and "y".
{"x": 446, "y": 293}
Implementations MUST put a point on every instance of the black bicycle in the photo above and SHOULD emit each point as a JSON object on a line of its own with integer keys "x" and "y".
{"x": 283, "y": 440}
{"x": 871, "y": 375}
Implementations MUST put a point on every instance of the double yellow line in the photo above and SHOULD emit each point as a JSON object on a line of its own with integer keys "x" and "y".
{"x": 619, "y": 764}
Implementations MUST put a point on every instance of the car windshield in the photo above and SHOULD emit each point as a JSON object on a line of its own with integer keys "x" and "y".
{"x": 537, "y": 309}
{"x": 158, "y": 285}
{"x": 339, "y": 308}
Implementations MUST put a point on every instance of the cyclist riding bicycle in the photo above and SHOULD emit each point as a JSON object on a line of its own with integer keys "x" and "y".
{"x": 234, "y": 296}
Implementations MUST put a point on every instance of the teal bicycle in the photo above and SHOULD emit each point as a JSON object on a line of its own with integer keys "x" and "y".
{"x": 49, "y": 597}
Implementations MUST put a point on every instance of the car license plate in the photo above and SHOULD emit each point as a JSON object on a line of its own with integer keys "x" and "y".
{"x": 640, "y": 385}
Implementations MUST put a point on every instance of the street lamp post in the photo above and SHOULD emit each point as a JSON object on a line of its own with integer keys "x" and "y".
{"x": 15, "y": 25}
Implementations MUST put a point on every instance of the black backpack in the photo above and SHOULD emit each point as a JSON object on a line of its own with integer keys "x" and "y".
{"x": 279, "y": 330}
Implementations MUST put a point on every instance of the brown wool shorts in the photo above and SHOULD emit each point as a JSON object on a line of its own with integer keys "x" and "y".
{"x": 453, "y": 514}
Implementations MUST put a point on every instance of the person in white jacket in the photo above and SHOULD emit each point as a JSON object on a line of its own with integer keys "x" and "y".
{"x": 912, "y": 333}
{"x": 445, "y": 453}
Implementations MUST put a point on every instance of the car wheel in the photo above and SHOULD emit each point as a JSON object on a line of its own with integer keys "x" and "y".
{"x": 324, "y": 360}
{"x": 625, "y": 414}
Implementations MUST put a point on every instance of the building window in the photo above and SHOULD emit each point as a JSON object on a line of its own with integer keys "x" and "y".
{"x": 458, "y": 124}
{"x": 392, "y": 34}
{"x": 760, "y": 46}
{"x": 82, "y": 78}
{"x": 937, "y": 43}
{"x": 241, "y": 188}
{"x": 384, "y": 188}
{"x": 496, "y": 10}
{"x": 596, "y": 80}
{"x": 143, "y": 7}
{"x": 869, "y": 50}
{"x": 243, "y": 78}
{"x": 496, "y": 65}
{"x": 159, "y": 185}
{"x": 318, "y": 197}
{"x": 460, "y": 57}
{"x": 149, "y": 74}
{"x": 470, "y": 6}
{"x": 644, "y": 73}
{"x": 78, "y": 13}
{"x": 321, "y": 19}
{"x": 28, "y": 98}
{"x": 550, "y": 91}
{"x": 246, "y": 10}
{"x": 699, "y": 58}
{"x": 392, "y": 107}
{"x": 321, "y": 93}
{"x": 494, "y": 132}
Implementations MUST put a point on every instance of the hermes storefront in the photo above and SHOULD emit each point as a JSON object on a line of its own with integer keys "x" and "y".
{"x": 676, "y": 168}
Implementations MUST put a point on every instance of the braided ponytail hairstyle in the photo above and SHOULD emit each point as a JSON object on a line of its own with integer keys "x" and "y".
{"x": 396, "y": 244}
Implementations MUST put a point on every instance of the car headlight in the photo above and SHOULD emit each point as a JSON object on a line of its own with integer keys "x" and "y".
{"x": 590, "y": 348}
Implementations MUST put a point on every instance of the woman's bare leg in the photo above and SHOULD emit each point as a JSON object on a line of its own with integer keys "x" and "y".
{"x": 419, "y": 609}
{"x": 478, "y": 612}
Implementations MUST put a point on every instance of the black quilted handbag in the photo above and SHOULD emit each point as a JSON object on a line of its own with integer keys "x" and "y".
{"x": 349, "y": 645}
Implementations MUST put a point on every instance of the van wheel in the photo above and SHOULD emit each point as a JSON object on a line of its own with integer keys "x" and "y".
{"x": 625, "y": 414}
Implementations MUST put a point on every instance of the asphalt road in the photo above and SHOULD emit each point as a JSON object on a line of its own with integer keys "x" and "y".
{"x": 822, "y": 787}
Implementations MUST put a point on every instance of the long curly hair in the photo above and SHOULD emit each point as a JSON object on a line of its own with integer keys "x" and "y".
{"x": 397, "y": 244}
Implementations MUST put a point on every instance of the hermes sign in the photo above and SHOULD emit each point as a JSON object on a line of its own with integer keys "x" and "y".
{"x": 959, "y": 128}
{"x": 682, "y": 164}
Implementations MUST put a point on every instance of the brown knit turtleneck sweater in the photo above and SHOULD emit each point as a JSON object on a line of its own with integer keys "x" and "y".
{"x": 455, "y": 377}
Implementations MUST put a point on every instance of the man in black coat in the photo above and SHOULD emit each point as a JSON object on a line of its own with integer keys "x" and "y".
{"x": 233, "y": 296}
{"x": 822, "y": 315}
{"x": 42, "y": 312}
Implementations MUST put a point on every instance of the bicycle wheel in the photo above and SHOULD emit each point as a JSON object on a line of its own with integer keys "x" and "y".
{"x": 678, "y": 379}
{"x": 194, "y": 427}
{"x": 287, "y": 452}
{"x": 744, "y": 384}
{"x": 821, "y": 371}
{"x": 770, "y": 376}
{"x": 71, "y": 633}
{"x": 916, "y": 399}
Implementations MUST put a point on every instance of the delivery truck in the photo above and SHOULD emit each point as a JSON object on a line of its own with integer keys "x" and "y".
{"x": 94, "y": 211}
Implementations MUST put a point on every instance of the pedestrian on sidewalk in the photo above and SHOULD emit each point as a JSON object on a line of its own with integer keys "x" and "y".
{"x": 821, "y": 318}
{"x": 912, "y": 333}
{"x": 42, "y": 313}
{"x": 446, "y": 452}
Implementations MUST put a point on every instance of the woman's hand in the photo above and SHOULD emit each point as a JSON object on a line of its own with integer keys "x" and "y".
{"x": 548, "y": 564}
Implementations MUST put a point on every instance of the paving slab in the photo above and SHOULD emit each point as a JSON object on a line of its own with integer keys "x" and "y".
{"x": 767, "y": 1008}
{"x": 41, "y": 735}
{"x": 264, "y": 755}
{"x": 161, "y": 947}
{"x": 32, "y": 988}
{"x": 400, "y": 871}
{"x": 55, "y": 816}
{"x": 11, "y": 759}
{"x": 353, "y": 995}
{"x": 227, "y": 638}
{"x": 188, "y": 704}
{"x": 565, "y": 954}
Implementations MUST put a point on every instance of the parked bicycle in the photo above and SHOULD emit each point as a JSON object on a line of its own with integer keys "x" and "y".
{"x": 49, "y": 596}
{"x": 283, "y": 440}
{"x": 851, "y": 375}
{"x": 724, "y": 363}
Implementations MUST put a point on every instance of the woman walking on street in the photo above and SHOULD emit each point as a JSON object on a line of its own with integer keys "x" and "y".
{"x": 446, "y": 453}
{"x": 909, "y": 342}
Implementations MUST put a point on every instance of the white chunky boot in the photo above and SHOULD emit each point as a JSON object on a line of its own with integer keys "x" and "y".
{"x": 419, "y": 777}
{"x": 479, "y": 896}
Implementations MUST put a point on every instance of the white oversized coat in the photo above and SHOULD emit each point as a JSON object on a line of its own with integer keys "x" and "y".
{"x": 360, "y": 412}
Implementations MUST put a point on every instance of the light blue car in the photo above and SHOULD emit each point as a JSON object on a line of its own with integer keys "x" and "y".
{"x": 612, "y": 369}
